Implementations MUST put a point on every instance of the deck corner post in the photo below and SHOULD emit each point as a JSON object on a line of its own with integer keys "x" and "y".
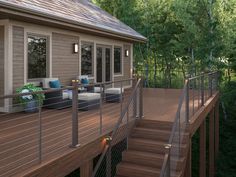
{"x": 86, "y": 170}
{"x": 202, "y": 90}
{"x": 211, "y": 144}
{"x": 141, "y": 99}
{"x": 187, "y": 100}
{"x": 75, "y": 126}
{"x": 217, "y": 128}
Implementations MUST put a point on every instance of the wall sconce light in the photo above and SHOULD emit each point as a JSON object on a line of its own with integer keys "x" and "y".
{"x": 75, "y": 47}
{"x": 126, "y": 53}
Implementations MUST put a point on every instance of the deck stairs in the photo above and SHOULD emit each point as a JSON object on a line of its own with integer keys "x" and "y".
{"x": 145, "y": 153}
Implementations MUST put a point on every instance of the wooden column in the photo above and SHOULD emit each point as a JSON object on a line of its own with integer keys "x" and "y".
{"x": 86, "y": 169}
{"x": 202, "y": 159}
{"x": 188, "y": 172}
{"x": 211, "y": 144}
{"x": 217, "y": 128}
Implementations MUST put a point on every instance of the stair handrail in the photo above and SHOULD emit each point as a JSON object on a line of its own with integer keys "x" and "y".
{"x": 115, "y": 129}
{"x": 185, "y": 93}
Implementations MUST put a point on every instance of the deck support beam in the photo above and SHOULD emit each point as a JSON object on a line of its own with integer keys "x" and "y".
{"x": 202, "y": 162}
{"x": 86, "y": 169}
{"x": 211, "y": 144}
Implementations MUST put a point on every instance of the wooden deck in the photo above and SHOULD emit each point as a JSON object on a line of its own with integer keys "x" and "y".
{"x": 20, "y": 133}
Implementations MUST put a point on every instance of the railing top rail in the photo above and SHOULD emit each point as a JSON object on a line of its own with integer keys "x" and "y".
{"x": 60, "y": 89}
{"x": 203, "y": 74}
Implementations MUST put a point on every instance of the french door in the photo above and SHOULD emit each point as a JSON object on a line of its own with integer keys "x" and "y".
{"x": 103, "y": 63}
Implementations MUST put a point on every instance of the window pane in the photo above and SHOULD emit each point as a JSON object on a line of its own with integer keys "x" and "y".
{"x": 117, "y": 60}
{"x": 87, "y": 59}
{"x": 37, "y": 57}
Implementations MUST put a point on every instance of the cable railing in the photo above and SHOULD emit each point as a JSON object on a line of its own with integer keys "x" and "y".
{"x": 131, "y": 112}
{"x": 196, "y": 92}
{"x": 69, "y": 117}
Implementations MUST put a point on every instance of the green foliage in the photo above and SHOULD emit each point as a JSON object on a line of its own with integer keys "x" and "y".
{"x": 39, "y": 97}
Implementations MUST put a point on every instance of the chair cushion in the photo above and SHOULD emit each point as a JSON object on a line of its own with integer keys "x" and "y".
{"x": 114, "y": 91}
{"x": 97, "y": 89}
{"x": 66, "y": 94}
{"x": 89, "y": 96}
{"x": 55, "y": 84}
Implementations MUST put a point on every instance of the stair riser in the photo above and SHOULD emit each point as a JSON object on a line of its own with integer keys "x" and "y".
{"x": 142, "y": 160}
{"x": 151, "y": 135}
{"x": 126, "y": 172}
{"x": 153, "y": 148}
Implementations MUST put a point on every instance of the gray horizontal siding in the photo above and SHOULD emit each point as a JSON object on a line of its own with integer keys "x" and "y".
{"x": 2, "y": 64}
{"x": 18, "y": 57}
{"x": 126, "y": 67}
{"x": 65, "y": 64}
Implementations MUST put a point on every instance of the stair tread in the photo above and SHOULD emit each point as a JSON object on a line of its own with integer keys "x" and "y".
{"x": 156, "y": 142}
{"x": 152, "y": 129}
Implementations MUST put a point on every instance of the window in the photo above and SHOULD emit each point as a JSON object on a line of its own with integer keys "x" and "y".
{"x": 87, "y": 59}
{"x": 37, "y": 56}
{"x": 117, "y": 60}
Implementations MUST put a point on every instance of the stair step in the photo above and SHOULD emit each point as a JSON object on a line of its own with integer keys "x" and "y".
{"x": 148, "y": 133}
{"x": 160, "y": 125}
{"x": 140, "y": 144}
{"x": 132, "y": 170}
{"x": 143, "y": 158}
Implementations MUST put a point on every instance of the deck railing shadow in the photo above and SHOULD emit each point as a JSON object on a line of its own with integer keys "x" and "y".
{"x": 28, "y": 139}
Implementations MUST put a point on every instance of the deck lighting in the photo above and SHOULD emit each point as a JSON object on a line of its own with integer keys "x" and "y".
{"x": 108, "y": 139}
{"x": 126, "y": 53}
{"x": 75, "y": 47}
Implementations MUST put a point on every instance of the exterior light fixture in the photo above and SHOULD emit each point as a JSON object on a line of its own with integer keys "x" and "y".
{"x": 75, "y": 47}
{"x": 108, "y": 139}
{"x": 126, "y": 53}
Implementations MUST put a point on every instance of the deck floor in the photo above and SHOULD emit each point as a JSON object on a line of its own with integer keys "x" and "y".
{"x": 20, "y": 132}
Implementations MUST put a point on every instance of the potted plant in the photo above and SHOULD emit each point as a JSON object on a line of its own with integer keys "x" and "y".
{"x": 32, "y": 101}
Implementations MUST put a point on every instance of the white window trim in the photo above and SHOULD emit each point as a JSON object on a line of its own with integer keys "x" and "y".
{"x": 121, "y": 74}
{"x": 40, "y": 33}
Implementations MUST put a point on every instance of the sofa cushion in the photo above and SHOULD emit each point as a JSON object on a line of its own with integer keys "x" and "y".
{"x": 55, "y": 84}
{"x": 114, "y": 91}
{"x": 89, "y": 96}
{"x": 66, "y": 94}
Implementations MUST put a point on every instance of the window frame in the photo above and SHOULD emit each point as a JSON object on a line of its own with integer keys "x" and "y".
{"x": 48, "y": 57}
{"x": 118, "y": 74}
{"x": 93, "y": 57}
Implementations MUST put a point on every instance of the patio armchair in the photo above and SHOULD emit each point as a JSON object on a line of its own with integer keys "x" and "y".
{"x": 57, "y": 99}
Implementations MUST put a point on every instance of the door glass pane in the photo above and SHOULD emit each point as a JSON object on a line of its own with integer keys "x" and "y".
{"x": 108, "y": 64}
{"x": 37, "y": 57}
{"x": 99, "y": 64}
{"x": 87, "y": 59}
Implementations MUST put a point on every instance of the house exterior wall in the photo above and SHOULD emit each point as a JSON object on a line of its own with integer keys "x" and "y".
{"x": 65, "y": 63}
{"x": 18, "y": 56}
{"x": 2, "y": 64}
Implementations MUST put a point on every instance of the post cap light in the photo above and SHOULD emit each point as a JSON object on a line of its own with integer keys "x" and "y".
{"x": 75, "y": 47}
{"x": 126, "y": 53}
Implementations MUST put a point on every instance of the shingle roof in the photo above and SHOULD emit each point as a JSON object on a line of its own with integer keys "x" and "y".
{"x": 81, "y": 12}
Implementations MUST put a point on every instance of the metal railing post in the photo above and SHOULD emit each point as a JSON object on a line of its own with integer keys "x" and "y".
{"x": 141, "y": 99}
{"x": 75, "y": 126}
{"x": 168, "y": 166}
{"x": 40, "y": 133}
{"x": 101, "y": 99}
{"x": 210, "y": 84}
{"x": 187, "y": 100}
{"x": 202, "y": 90}
{"x": 121, "y": 97}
